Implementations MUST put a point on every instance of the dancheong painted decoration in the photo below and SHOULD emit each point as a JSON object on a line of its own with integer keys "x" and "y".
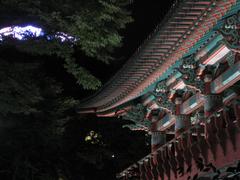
{"x": 182, "y": 84}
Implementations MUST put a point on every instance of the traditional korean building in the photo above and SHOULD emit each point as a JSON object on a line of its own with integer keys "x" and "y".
{"x": 182, "y": 86}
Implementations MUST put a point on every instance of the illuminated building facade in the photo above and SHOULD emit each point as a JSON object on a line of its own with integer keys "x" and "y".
{"x": 182, "y": 86}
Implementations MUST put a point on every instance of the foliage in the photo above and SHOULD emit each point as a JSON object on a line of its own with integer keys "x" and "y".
{"x": 93, "y": 24}
{"x": 41, "y": 137}
{"x": 36, "y": 139}
{"x": 19, "y": 92}
{"x": 33, "y": 117}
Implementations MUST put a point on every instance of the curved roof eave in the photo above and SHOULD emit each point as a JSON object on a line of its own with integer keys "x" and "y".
{"x": 186, "y": 23}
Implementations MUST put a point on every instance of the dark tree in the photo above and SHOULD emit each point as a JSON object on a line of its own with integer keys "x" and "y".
{"x": 88, "y": 26}
{"x": 41, "y": 136}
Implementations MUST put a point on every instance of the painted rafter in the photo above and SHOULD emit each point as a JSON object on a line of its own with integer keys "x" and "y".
{"x": 134, "y": 90}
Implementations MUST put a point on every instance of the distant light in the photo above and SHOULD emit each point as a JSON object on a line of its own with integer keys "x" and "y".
{"x": 63, "y": 36}
{"x": 20, "y": 33}
{"x": 88, "y": 138}
{"x": 113, "y": 156}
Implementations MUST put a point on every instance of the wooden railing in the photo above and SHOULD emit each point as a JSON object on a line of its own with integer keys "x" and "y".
{"x": 213, "y": 142}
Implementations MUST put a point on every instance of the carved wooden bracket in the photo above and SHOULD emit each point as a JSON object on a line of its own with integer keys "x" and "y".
{"x": 137, "y": 115}
{"x": 231, "y": 32}
{"x": 188, "y": 69}
{"x": 161, "y": 92}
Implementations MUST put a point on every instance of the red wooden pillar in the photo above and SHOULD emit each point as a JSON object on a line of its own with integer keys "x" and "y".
{"x": 166, "y": 165}
{"x": 182, "y": 122}
{"x": 212, "y": 101}
{"x": 230, "y": 126}
{"x": 172, "y": 158}
{"x": 142, "y": 171}
{"x": 211, "y": 137}
{"x": 211, "y": 104}
{"x": 221, "y": 132}
{"x": 153, "y": 169}
{"x": 179, "y": 157}
{"x": 160, "y": 165}
{"x": 202, "y": 143}
{"x": 236, "y": 106}
{"x": 157, "y": 140}
{"x": 195, "y": 150}
{"x": 148, "y": 171}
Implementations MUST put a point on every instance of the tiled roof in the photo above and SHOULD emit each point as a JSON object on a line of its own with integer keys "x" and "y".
{"x": 186, "y": 23}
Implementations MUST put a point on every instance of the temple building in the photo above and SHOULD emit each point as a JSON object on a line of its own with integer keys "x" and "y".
{"x": 182, "y": 86}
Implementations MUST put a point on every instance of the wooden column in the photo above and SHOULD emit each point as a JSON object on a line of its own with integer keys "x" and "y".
{"x": 211, "y": 104}
{"x": 148, "y": 171}
{"x": 212, "y": 101}
{"x": 153, "y": 169}
{"x": 236, "y": 106}
{"x": 142, "y": 171}
{"x": 230, "y": 126}
{"x": 157, "y": 140}
{"x": 182, "y": 121}
{"x": 160, "y": 165}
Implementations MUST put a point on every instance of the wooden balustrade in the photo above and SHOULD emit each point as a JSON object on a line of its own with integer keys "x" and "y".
{"x": 213, "y": 142}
